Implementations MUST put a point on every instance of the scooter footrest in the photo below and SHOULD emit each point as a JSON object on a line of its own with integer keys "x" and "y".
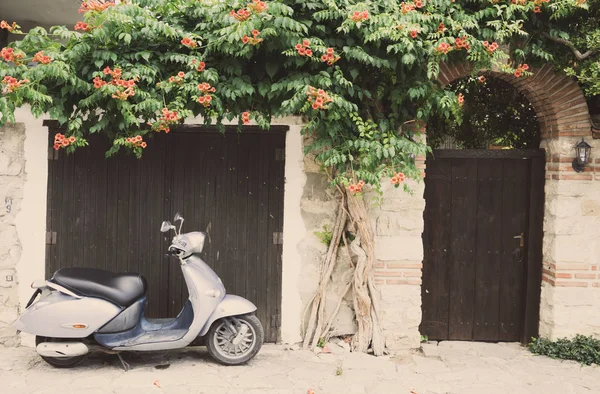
{"x": 145, "y": 337}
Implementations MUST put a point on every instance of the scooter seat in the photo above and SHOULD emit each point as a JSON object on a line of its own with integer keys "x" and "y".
{"x": 122, "y": 289}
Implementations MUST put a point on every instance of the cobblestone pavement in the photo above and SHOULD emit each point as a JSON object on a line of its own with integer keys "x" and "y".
{"x": 451, "y": 367}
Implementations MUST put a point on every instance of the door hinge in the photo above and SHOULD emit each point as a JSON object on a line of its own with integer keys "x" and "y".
{"x": 279, "y": 154}
{"x": 51, "y": 237}
{"x": 276, "y": 320}
{"x": 52, "y": 154}
{"x": 278, "y": 238}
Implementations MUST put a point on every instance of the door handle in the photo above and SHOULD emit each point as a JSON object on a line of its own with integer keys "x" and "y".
{"x": 521, "y": 238}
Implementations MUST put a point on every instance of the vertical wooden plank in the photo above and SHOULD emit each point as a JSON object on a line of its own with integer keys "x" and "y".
{"x": 463, "y": 247}
{"x": 49, "y": 250}
{"x": 63, "y": 230}
{"x": 123, "y": 219}
{"x": 54, "y": 199}
{"x": 253, "y": 236}
{"x": 489, "y": 249}
{"x": 133, "y": 215}
{"x": 273, "y": 228}
{"x": 241, "y": 211}
{"x": 89, "y": 192}
{"x": 534, "y": 249}
{"x": 167, "y": 214}
{"x": 264, "y": 239}
{"x": 192, "y": 142}
{"x": 512, "y": 280}
{"x": 100, "y": 189}
{"x": 435, "y": 290}
{"x": 208, "y": 190}
{"x": 180, "y": 149}
{"x": 279, "y": 186}
{"x": 75, "y": 251}
{"x": 231, "y": 201}
{"x": 151, "y": 179}
{"x": 157, "y": 249}
{"x": 112, "y": 213}
{"x": 206, "y": 186}
{"x": 221, "y": 208}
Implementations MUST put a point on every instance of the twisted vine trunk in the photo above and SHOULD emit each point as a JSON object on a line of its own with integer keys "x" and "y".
{"x": 313, "y": 331}
{"x": 365, "y": 294}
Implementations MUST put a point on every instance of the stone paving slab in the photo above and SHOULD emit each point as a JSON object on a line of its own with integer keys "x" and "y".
{"x": 452, "y": 368}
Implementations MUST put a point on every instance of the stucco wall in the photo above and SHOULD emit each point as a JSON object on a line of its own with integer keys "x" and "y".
{"x": 12, "y": 180}
{"x": 23, "y": 182}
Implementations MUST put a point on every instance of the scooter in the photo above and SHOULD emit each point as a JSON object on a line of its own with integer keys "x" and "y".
{"x": 80, "y": 310}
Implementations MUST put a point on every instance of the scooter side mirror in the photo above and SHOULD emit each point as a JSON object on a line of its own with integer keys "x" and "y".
{"x": 166, "y": 226}
{"x": 178, "y": 217}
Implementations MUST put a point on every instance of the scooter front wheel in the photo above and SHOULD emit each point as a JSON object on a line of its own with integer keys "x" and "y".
{"x": 235, "y": 340}
{"x": 59, "y": 362}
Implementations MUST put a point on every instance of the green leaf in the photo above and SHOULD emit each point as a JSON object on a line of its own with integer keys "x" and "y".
{"x": 271, "y": 69}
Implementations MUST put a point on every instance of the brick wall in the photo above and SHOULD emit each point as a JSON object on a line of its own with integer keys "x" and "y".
{"x": 557, "y": 99}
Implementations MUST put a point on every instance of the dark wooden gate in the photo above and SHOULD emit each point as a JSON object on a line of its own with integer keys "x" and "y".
{"x": 482, "y": 244}
{"x": 106, "y": 213}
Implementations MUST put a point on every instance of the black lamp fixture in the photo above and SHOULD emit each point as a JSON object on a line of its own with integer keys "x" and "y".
{"x": 582, "y": 155}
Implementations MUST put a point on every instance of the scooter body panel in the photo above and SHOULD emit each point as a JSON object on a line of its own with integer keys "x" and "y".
{"x": 61, "y": 316}
{"x": 206, "y": 293}
{"x": 231, "y": 305}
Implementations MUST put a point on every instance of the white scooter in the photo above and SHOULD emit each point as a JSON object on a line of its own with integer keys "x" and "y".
{"x": 84, "y": 309}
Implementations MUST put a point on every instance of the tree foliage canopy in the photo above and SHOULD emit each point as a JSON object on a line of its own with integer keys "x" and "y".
{"x": 360, "y": 72}
{"x": 494, "y": 113}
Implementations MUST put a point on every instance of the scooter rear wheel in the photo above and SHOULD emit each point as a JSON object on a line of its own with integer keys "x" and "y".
{"x": 235, "y": 340}
{"x": 59, "y": 362}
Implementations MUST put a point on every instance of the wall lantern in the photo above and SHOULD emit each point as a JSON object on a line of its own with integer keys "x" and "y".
{"x": 582, "y": 155}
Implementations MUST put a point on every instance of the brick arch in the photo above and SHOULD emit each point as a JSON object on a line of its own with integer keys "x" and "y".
{"x": 556, "y": 98}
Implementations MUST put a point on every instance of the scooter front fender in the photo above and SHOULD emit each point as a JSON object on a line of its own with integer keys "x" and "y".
{"x": 231, "y": 305}
{"x": 62, "y": 316}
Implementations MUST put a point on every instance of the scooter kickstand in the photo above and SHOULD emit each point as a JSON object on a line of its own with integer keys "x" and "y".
{"x": 126, "y": 366}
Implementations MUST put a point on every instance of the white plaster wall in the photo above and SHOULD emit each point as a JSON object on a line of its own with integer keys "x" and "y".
{"x": 31, "y": 220}
{"x": 12, "y": 180}
{"x": 293, "y": 233}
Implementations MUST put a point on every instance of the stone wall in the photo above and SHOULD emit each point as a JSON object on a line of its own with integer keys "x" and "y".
{"x": 12, "y": 181}
{"x": 571, "y": 277}
{"x": 398, "y": 224}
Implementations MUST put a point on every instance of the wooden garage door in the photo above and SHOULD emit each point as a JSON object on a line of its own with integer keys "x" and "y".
{"x": 482, "y": 245}
{"x": 106, "y": 213}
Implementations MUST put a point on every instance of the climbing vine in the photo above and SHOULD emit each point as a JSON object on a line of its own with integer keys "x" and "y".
{"x": 362, "y": 74}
